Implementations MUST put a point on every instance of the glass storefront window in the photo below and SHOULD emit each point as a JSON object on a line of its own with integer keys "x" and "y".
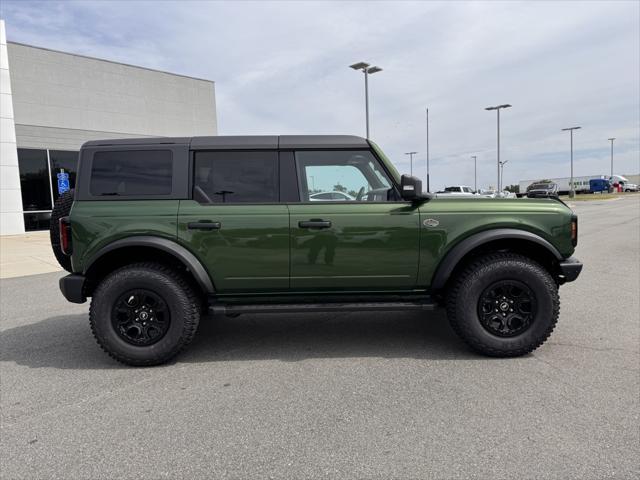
{"x": 39, "y": 182}
{"x": 34, "y": 179}
{"x": 35, "y": 187}
{"x": 37, "y": 221}
{"x": 62, "y": 160}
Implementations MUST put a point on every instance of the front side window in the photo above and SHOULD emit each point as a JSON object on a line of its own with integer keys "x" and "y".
{"x": 131, "y": 173}
{"x": 342, "y": 176}
{"x": 236, "y": 177}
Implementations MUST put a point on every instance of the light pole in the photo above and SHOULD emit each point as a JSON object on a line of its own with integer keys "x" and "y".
{"x": 411, "y": 154}
{"x": 428, "y": 190}
{"x": 502, "y": 173}
{"x": 497, "y": 108}
{"x": 475, "y": 172}
{"x": 572, "y": 192}
{"x": 367, "y": 70}
{"x": 611, "y": 140}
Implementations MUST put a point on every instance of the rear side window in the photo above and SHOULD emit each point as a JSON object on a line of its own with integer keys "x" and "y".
{"x": 131, "y": 173}
{"x": 236, "y": 177}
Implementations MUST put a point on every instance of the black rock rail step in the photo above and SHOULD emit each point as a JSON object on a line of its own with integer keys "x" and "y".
{"x": 226, "y": 309}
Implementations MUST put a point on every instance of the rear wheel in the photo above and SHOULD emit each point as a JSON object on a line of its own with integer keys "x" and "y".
{"x": 503, "y": 305}
{"x": 61, "y": 208}
{"x": 144, "y": 314}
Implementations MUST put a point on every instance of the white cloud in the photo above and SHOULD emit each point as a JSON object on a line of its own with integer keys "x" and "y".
{"x": 281, "y": 67}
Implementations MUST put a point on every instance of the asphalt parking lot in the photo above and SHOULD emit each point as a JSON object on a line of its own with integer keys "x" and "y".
{"x": 335, "y": 396}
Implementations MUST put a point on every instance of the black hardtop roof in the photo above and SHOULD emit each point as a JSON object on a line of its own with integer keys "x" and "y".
{"x": 243, "y": 142}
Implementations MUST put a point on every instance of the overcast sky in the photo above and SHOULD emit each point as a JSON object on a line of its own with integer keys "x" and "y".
{"x": 282, "y": 68}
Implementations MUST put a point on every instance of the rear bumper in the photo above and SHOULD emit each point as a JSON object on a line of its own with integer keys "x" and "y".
{"x": 570, "y": 269}
{"x": 72, "y": 287}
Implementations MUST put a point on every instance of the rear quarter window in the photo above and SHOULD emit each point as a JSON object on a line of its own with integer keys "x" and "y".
{"x": 131, "y": 173}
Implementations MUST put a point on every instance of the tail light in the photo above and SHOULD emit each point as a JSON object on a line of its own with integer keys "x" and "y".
{"x": 574, "y": 230}
{"x": 65, "y": 235}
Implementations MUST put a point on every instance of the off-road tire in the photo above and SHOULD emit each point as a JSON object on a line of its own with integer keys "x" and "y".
{"x": 182, "y": 302}
{"x": 61, "y": 208}
{"x": 466, "y": 289}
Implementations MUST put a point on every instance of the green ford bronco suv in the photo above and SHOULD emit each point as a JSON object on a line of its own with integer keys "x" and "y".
{"x": 160, "y": 231}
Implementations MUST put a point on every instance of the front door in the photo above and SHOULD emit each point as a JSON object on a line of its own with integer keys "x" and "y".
{"x": 350, "y": 232}
{"x": 235, "y": 223}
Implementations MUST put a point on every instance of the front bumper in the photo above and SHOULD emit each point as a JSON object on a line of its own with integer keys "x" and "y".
{"x": 570, "y": 268}
{"x": 72, "y": 287}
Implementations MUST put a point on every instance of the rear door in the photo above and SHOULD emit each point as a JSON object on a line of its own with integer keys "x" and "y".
{"x": 235, "y": 223}
{"x": 362, "y": 239}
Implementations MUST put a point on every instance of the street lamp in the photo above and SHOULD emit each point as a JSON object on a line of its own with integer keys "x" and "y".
{"x": 502, "y": 173}
{"x": 428, "y": 188}
{"x": 572, "y": 192}
{"x": 475, "y": 172}
{"x": 611, "y": 140}
{"x": 497, "y": 108}
{"x": 367, "y": 70}
{"x": 411, "y": 154}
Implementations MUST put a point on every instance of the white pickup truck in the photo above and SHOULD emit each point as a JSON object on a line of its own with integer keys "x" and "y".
{"x": 458, "y": 191}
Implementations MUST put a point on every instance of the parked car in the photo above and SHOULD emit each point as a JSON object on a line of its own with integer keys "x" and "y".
{"x": 486, "y": 193}
{"x": 542, "y": 190}
{"x": 457, "y": 190}
{"x": 334, "y": 196}
{"x": 160, "y": 231}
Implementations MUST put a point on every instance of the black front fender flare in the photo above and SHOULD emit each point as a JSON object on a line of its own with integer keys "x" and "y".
{"x": 187, "y": 258}
{"x": 457, "y": 253}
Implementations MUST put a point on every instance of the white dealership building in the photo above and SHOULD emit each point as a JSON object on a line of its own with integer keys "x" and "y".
{"x": 52, "y": 102}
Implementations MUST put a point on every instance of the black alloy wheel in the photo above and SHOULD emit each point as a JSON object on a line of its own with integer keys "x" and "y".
{"x": 141, "y": 317}
{"x": 507, "y": 308}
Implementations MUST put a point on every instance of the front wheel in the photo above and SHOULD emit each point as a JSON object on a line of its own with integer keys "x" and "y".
{"x": 144, "y": 314}
{"x": 503, "y": 305}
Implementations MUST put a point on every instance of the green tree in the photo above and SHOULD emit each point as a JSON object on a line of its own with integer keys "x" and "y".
{"x": 339, "y": 188}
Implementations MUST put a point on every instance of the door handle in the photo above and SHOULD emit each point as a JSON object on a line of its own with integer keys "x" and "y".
{"x": 203, "y": 225}
{"x": 315, "y": 224}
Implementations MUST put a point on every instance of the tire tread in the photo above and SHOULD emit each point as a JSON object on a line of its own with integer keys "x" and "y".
{"x": 61, "y": 208}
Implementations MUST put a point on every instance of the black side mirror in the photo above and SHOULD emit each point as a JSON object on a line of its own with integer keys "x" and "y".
{"x": 411, "y": 189}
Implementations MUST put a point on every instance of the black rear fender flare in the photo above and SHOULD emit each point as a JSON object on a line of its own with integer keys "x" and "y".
{"x": 174, "y": 249}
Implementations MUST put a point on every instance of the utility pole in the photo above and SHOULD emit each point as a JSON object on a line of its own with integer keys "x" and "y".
{"x": 497, "y": 108}
{"x": 367, "y": 70}
{"x": 572, "y": 191}
{"x": 411, "y": 154}
{"x": 475, "y": 172}
{"x": 428, "y": 190}
{"x": 611, "y": 140}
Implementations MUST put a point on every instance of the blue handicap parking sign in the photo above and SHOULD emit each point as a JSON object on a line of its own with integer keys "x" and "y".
{"x": 63, "y": 182}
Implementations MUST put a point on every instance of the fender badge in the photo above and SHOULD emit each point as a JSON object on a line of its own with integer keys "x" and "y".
{"x": 431, "y": 222}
